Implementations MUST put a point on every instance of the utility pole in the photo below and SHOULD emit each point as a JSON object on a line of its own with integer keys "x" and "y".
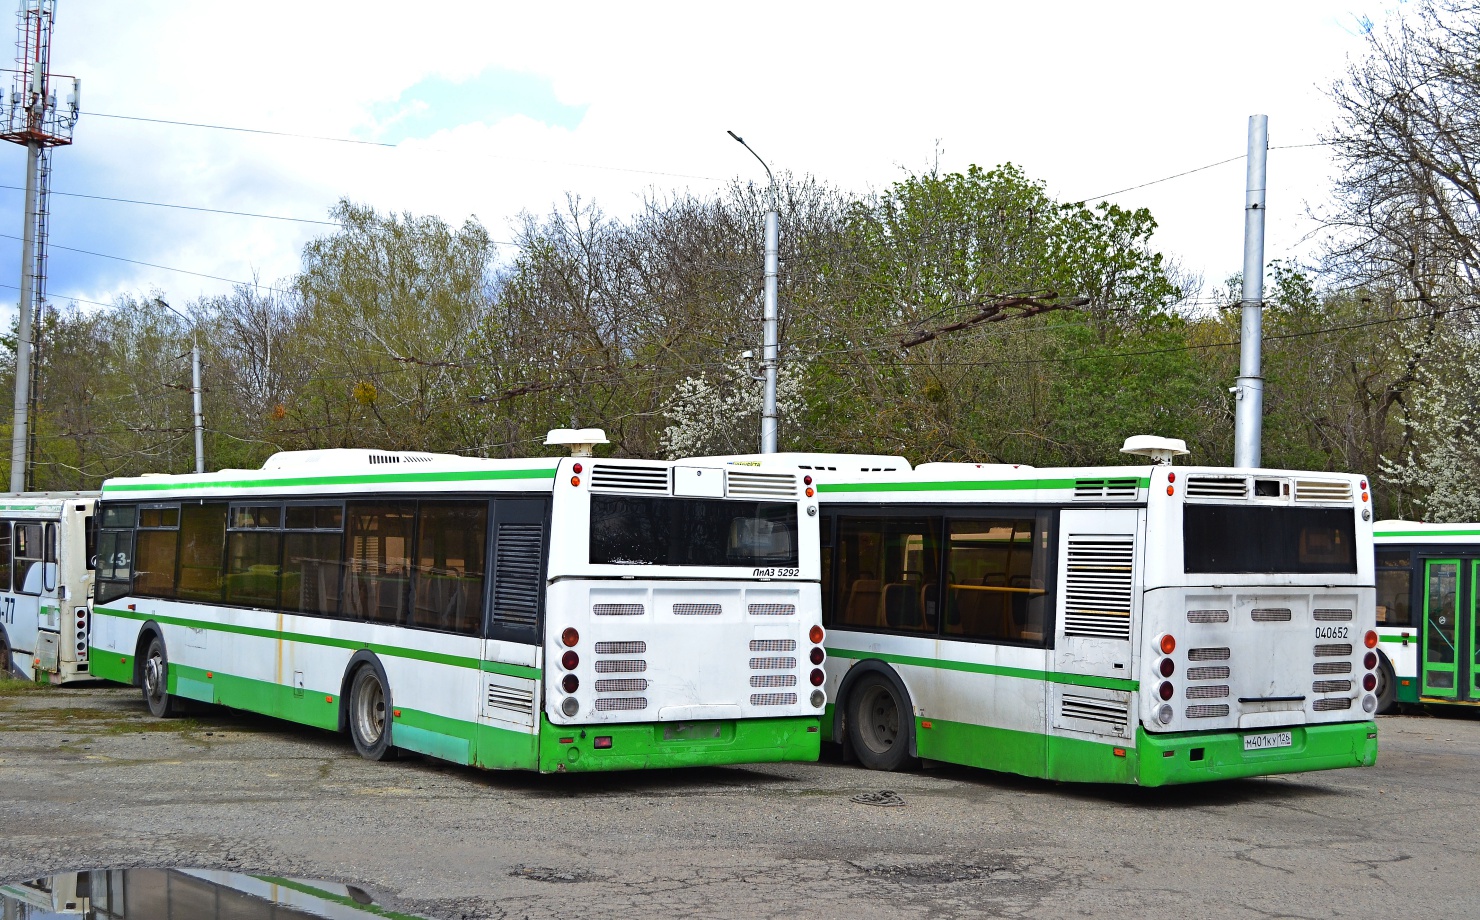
{"x": 771, "y": 343}
{"x": 1248, "y": 419}
{"x": 200, "y": 446}
{"x": 30, "y": 116}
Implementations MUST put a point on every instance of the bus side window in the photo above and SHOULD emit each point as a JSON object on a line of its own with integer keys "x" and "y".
{"x": 155, "y": 558}
{"x": 90, "y": 542}
{"x": 451, "y": 544}
{"x": 28, "y": 558}
{"x": 996, "y": 580}
{"x": 1394, "y": 590}
{"x": 115, "y": 552}
{"x": 4, "y": 555}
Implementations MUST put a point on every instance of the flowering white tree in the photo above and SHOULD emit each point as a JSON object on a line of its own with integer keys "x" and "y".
{"x": 1442, "y": 462}
{"x": 721, "y": 414}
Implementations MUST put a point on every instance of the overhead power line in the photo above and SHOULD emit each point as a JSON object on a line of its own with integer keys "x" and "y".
{"x": 1195, "y": 170}
{"x": 168, "y": 268}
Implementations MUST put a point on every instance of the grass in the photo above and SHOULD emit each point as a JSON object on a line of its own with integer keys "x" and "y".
{"x": 12, "y": 686}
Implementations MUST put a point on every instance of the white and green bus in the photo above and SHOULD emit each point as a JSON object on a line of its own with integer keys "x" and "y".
{"x": 1427, "y": 579}
{"x": 46, "y": 582}
{"x": 550, "y": 614}
{"x": 1129, "y": 624}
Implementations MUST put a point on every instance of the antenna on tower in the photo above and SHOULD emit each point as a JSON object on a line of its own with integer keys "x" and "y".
{"x": 31, "y": 117}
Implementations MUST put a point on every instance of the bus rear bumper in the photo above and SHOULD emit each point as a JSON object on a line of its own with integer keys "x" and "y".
{"x": 647, "y": 745}
{"x": 1197, "y": 757}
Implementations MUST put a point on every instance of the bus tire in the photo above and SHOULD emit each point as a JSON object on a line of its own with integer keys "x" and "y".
{"x": 155, "y": 680}
{"x": 1387, "y": 686}
{"x": 878, "y": 723}
{"x": 370, "y": 711}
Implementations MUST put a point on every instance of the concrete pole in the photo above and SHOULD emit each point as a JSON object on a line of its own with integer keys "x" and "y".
{"x": 1249, "y": 404}
{"x": 200, "y": 448}
{"x": 770, "y": 355}
{"x": 19, "y": 430}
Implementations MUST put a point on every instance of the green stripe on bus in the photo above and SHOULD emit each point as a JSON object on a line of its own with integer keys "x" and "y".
{"x": 361, "y": 479}
{"x": 1077, "y": 680}
{"x": 1403, "y": 639}
{"x": 995, "y": 485}
{"x": 456, "y": 661}
{"x": 1426, "y": 533}
{"x": 343, "y": 900}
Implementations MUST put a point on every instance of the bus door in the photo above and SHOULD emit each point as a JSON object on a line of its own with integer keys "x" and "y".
{"x": 1448, "y": 663}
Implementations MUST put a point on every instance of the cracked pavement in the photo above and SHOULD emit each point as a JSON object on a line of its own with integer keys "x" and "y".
{"x": 89, "y": 780}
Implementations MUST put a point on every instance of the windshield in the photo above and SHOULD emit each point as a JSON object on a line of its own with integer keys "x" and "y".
{"x": 654, "y": 530}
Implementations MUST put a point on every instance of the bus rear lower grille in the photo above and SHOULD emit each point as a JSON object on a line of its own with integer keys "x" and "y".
{"x": 773, "y": 699}
{"x": 697, "y": 610}
{"x": 1332, "y": 703}
{"x": 1207, "y": 616}
{"x": 1334, "y": 650}
{"x": 619, "y": 703}
{"x": 773, "y": 680}
{"x": 1271, "y": 614}
{"x": 773, "y": 645}
{"x": 1217, "y": 672}
{"x": 1207, "y": 654}
{"x": 1332, "y": 667}
{"x": 1332, "y": 686}
{"x": 619, "y": 610}
{"x": 773, "y": 664}
{"x": 1328, "y": 615}
{"x": 1207, "y": 692}
{"x": 772, "y": 610}
{"x": 1207, "y": 711}
{"x": 1106, "y": 712}
{"x": 621, "y": 666}
{"x": 621, "y": 648}
{"x": 622, "y": 685}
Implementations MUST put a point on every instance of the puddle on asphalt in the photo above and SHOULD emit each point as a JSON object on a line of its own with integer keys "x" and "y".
{"x": 185, "y": 894}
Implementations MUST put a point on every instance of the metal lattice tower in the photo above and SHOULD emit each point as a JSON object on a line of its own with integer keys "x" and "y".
{"x": 30, "y": 116}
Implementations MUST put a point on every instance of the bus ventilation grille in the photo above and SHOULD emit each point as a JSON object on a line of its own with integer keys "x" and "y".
{"x": 608, "y": 478}
{"x": 1332, "y": 703}
{"x": 740, "y": 484}
{"x": 376, "y": 459}
{"x": 1207, "y": 616}
{"x": 621, "y": 666}
{"x": 773, "y": 645}
{"x": 1327, "y": 615}
{"x": 1334, "y": 650}
{"x": 621, "y": 703}
{"x": 1208, "y": 654}
{"x": 1105, "y": 490}
{"x": 622, "y": 685}
{"x": 773, "y": 699}
{"x": 697, "y": 610}
{"x": 1105, "y": 712}
{"x": 511, "y": 699}
{"x": 1224, "y": 487}
{"x": 1320, "y": 490}
{"x": 1207, "y": 692}
{"x": 621, "y": 648}
{"x": 517, "y": 574}
{"x": 618, "y": 610}
{"x": 772, "y": 610}
{"x": 1207, "y": 711}
{"x": 1332, "y": 686}
{"x": 1271, "y": 614}
{"x": 1212, "y": 672}
{"x": 1332, "y": 667}
{"x": 773, "y": 680}
{"x": 773, "y": 664}
{"x": 1098, "y": 586}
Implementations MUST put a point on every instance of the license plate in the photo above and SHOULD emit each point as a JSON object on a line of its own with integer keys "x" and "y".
{"x": 1266, "y": 741}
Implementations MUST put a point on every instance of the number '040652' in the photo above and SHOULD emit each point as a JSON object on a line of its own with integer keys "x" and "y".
{"x": 1333, "y": 632}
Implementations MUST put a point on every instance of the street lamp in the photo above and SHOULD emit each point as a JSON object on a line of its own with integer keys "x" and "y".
{"x": 771, "y": 347}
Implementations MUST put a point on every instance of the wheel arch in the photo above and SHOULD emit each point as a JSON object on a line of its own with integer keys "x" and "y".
{"x": 845, "y": 690}
{"x": 7, "y": 666}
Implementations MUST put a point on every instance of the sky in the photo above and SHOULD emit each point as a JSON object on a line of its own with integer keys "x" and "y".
{"x": 489, "y": 109}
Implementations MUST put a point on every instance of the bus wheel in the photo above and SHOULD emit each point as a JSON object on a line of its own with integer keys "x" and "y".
{"x": 156, "y": 680}
{"x": 877, "y": 726}
{"x": 1387, "y": 686}
{"x": 369, "y": 714}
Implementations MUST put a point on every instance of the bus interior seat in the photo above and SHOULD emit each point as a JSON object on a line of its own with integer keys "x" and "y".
{"x": 863, "y": 602}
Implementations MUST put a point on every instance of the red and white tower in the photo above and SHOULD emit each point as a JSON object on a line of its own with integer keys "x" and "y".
{"x": 31, "y": 116}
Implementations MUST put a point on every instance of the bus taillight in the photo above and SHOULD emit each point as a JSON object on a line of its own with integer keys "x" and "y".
{"x": 570, "y": 637}
{"x": 570, "y": 660}
{"x": 818, "y": 654}
{"x": 1166, "y": 643}
{"x": 1369, "y": 661}
{"x": 1167, "y": 667}
{"x": 816, "y": 635}
{"x": 570, "y": 683}
{"x": 1166, "y": 690}
{"x": 1370, "y": 640}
